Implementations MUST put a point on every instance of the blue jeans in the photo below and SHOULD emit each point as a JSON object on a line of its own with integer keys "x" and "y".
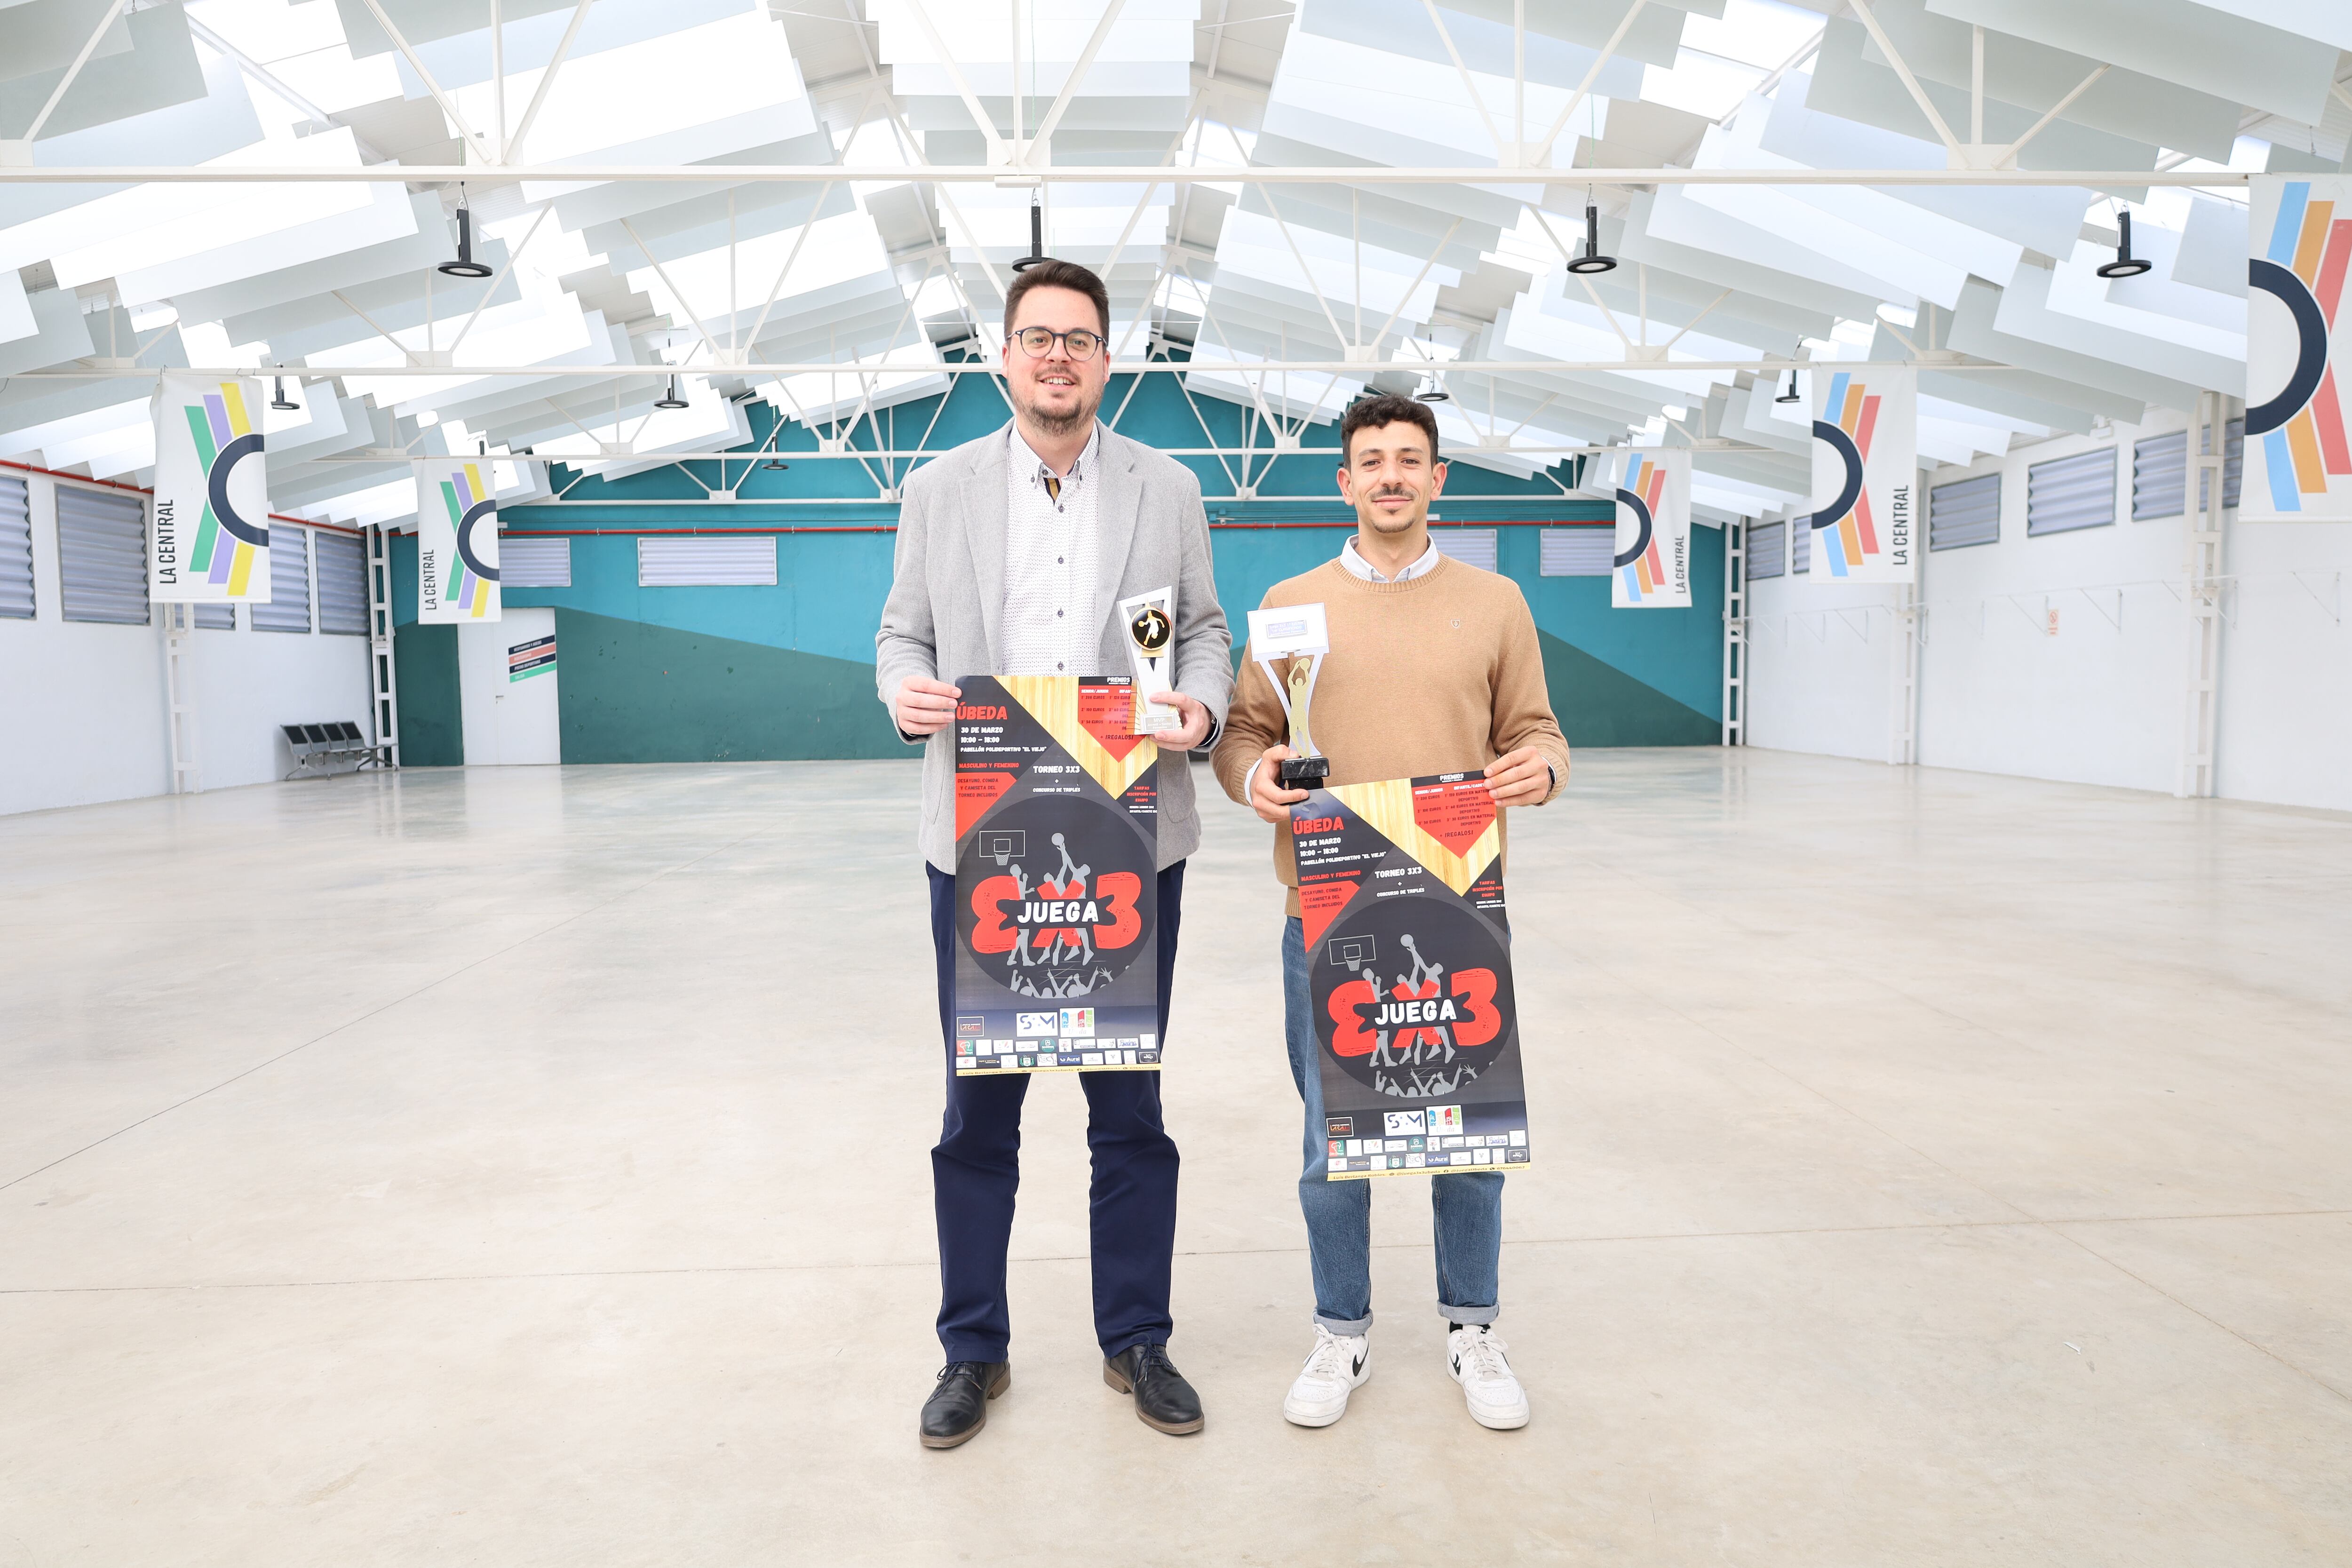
{"x": 1466, "y": 1206}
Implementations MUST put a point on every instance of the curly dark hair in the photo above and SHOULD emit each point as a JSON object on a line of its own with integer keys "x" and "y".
{"x": 1386, "y": 409}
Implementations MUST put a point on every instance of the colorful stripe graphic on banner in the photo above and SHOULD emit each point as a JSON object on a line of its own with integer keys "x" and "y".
{"x": 457, "y": 543}
{"x": 1865, "y": 438}
{"x": 1653, "y": 555}
{"x": 209, "y": 472}
{"x": 2295, "y": 413}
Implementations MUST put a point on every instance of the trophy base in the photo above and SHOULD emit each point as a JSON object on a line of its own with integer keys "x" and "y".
{"x": 1303, "y": 772}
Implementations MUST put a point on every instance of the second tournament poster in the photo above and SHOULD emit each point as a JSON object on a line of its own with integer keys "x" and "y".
{"x": 1409, "y": 972}
{"x": 1057, "y": 842}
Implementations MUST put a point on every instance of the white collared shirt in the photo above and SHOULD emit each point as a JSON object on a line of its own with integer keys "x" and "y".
{"x": 1358, "y": 566}
{"x": 1051, "y": 543}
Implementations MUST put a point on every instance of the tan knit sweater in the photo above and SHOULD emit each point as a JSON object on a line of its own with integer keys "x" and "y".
{"x": 1439, "y": 674}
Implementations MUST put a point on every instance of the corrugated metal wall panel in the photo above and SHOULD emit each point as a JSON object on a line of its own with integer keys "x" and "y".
{"x": 1476, "y": 547}
{"x": 2159, "y": 476}
{"x": 1768, "y": 550}
{"x": 1964, "y": 512}
{"x": 101, "y": 556}
{"x": 733, "y": 562}
{"x": 1577, "y": 552}
{"x": 528, "y": 563}
{"x": 16, "y": 549}
{"x": 2066, "y": 494}
{"x": 289, "y": 609}
{"x": 343, "y": 585}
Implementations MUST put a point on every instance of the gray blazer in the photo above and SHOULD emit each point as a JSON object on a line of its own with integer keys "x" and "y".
{"x": 946, "y": 594}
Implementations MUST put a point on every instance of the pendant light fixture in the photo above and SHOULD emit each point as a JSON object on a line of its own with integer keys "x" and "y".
{"x": 279, "y": 401}
{"x": 1435, "y": 393}
{"x": 1592, "y": 261}
{"x": 1036, "y": 236}
{"x": 465, "y": 266}
{"x": 775, "y": 465}
{"x": 1792, "y": 395}
{"x": 670, "y": 399}
{"x": 2124, "y": 265}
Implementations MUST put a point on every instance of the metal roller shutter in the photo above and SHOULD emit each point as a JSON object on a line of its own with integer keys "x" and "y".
{"x": 289, "y": 609}
{"x": 1768, "y": 550}
{"x": 1801, "y": 545}
{"x": 101, "y": 556}
{"x": 16, "y": 549}
{"x": 343, "y": 585}
{"x": 2233, "y": 465}
{"x": 1964, "y": 512}
{"x": 1577, "y": 552}
{"x": 736, "y": 563}
{"x": 216, "y": 618}
{"x": 2065, "y": 494}
{"x": 525, "y": 562}
{"x": 2159, "y": 476}
{"x": 1471, "y": 546}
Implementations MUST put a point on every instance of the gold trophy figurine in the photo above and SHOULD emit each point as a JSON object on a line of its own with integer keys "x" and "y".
{"x": 1302, "y": 635}
{"x": 1310, "y": 768}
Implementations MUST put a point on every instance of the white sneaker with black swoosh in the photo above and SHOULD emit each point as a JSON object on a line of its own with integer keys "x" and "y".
{"x": 1473, "y": 1356}
{"x": 1335, "y": 1368}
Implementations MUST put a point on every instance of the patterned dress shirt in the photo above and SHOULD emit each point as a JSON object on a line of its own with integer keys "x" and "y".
{"x": 1052, "y": 625}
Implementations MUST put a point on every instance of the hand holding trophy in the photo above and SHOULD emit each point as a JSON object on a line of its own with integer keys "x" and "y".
{"x": 1299, "y": 634}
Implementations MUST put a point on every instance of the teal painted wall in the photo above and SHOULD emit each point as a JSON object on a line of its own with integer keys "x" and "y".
{"x": 713, "y": 674}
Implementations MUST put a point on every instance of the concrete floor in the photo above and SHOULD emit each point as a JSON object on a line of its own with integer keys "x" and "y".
{"x": 527, "y": 1166}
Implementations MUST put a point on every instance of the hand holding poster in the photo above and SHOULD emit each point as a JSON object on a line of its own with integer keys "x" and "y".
{"x": 1409, "y": 973}
{"x": 456, "y": 541}
{"x": 212, "y": 493}
{"x": 1057, "y": 841}
{"x": 1865, "y": 475}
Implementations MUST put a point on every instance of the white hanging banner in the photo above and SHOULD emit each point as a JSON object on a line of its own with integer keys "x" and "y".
{"x": 1865, "y": 475}
{"x": 211, "y": 538}
{"x": 1654, "y": 530}
{"x": 2298, "y": 465}
{"x": 456, "y": 541}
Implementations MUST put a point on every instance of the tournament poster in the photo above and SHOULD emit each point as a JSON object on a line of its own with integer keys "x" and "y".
{"x": 1409, "y": 972}
{"x": 1057, "y": 844}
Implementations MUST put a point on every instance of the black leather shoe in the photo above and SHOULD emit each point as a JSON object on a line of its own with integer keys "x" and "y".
{"x": 958, "y": 1408}
{"x": 1163, "y": 1400}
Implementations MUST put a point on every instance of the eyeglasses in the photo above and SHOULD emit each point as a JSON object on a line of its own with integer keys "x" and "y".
{"x": 1077, "y": 342}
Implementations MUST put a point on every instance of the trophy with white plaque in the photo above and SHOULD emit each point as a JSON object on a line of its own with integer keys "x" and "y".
{"x": 1299, "y": 634}
{"x": 1150, "y": 623}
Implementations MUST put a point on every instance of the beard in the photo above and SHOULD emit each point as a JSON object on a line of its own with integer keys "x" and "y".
{"x": 1068, "y": 423}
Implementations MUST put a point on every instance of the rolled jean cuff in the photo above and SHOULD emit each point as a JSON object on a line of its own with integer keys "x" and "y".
{"x": 1346, "y": 1325}
{"x": 1468, "y": 1315}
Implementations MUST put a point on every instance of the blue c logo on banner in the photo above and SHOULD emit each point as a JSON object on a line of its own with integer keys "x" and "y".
{"x": 1641, "y": 515}
{"x": 2311, "y": 345}
{"x": 224, "y": 463}
{"x": 1851, "y": 491}
{"x": 474, "y": 514}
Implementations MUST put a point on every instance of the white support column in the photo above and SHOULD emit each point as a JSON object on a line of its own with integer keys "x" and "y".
{"x": 1735, "y": 631}
{"x": 383, "y": 704}
{"x": 180, "y": 713}
{"x": 2203, "y": 567}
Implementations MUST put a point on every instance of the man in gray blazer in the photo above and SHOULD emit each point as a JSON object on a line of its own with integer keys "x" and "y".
{"x": 1014, "y": 552}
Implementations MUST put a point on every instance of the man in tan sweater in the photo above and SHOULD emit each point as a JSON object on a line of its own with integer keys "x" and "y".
{"x": 1435, "y": 667}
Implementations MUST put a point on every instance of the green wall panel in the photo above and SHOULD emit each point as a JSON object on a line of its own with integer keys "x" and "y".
{"x": 425, "y": 673}
{"x": 636, "y": 692}
{"x": 1598, "y": 704}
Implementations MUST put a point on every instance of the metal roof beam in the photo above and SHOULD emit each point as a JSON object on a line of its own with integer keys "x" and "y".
{"x": 1085, "y": 174}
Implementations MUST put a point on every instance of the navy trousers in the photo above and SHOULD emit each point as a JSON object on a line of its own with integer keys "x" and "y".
{"x": 976, "y": 1170}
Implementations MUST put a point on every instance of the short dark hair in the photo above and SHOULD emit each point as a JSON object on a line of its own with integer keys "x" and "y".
{"x": 1050, "y": 274}
{"x": 1386, "y": 409}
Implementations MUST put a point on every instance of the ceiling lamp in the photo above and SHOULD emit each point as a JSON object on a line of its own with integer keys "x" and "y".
{"x": 465, "y": 266}
{"x": 279, "y": 401}
{"x": 1791, "y": 395}
{"x": 776, "y": 464}
{"x": 1435, "y": 393}
{"x": 1592, "y": 261}
{"x": 2124, "y": 265}
{"x": 1036, "y": 238}
{"x": 670, "y": 399}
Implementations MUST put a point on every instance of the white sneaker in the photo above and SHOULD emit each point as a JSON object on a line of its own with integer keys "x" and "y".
{"x": 1336, "y": 1367}
{"x": 1473, "y": 1356}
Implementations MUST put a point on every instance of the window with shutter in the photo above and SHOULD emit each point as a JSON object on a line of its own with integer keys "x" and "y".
{"x": 736, "y": 563}
{"x": 16, "y": 549}
{"x": 216, "y": 618}
{"x": 1965, "y": 513}
{"x": 2065, "y": 494}
{"x": 1801, "y": 545}
{"x": 1768, "y": 550}
{"x": 101, "y": 556}
{"x": 2159, "y": 476}
{"x": 534, "y": 561}
{"x": 1576, "y": 551}
{"x": 1471, "y": 546}
{"x": 343, "y": 585}
{"x": 289, "y": 609}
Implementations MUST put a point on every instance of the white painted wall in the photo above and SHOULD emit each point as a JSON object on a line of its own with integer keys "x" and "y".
{"x": 2104, "y": 698}
{"x": 83, "y": 717}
